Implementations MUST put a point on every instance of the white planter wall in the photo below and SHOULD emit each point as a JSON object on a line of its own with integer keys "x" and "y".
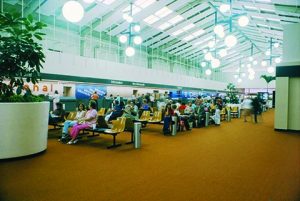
{"x": 23, "y": 128}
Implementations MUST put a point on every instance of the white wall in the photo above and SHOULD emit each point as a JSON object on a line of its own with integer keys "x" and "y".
{"x": 68, "y": 64}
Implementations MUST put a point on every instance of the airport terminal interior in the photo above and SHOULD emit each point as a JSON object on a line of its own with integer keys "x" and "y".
{"x": 150, "y": 100}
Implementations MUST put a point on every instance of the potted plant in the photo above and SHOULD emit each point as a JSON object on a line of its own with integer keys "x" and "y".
{"x": 232, "y": 92}
{"x": 24, "y": 118}
{"x": 268, "y": 79}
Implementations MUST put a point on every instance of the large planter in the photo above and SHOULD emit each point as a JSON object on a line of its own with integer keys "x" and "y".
{"x": 23, "y": 129}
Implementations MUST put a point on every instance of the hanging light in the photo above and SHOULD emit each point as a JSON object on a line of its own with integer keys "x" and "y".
{"x": 215, "y": 63}
{"x": 208, "y": 56}
{"x": 277, "y": 60}
{"x": 137, "y": 40}
{"x": 205, "y": 51}
{"x": 276, "y": 45}
{"x": 224, "y": 8}
{"x": 268, "y": 52}
{"x": 88, "y": 1}
{"x": 219, "y": 29}
{"x": 264, "y": 63}
{"x": 203, "y": 64}
{"x": 254, "y": 62}
{"x": 137, "y": 28}
{"x": 248, "y": 65}
{"x": 236, "y": 76}
{"x": 243, "y": 74}
{"x": 270, "y": 69}
{"x": 73, "y": 11}
{"x": 221, "y": 35}
{"x": 251, "y": 76}
{"x": 208, "y": 72}
{"x": 223, "y": 53}
{"x": 243, "y": 65}
{"x": 129, "y": 51}
{"x": 243, "y": 21}
{"x": 239, "y": 80}
{"x": 250, "y": 58}
{"x": 123, "y": 39}
{"x": 251, "y": 71}
{"x": 230, "y": 41}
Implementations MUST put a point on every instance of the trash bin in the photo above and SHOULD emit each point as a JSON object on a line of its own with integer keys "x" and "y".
{"x": 137, "y": 134}
{"x": 174, "y": 125}
{"x": 228, "y": 115}
{"x": 206, "y": 118}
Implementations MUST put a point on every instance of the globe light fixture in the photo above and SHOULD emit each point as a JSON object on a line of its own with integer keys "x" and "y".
{"x": 215, "y": 63}
{"x": 224, "y": 8}
{"x": 230, "y": 41}
{"x": 236, "y": 76}
{"x": 73, "y": 11}
{"x": 276, "y": 45}
{"x": 208, "y": 56}
{"x": 203, "y": 64}
{"x": 239, "y": 80}
{"x": 221, "y": 35}
{"x": 277, "y": 60}
{"x": 243, "y": 21}
{"x": 250, "y": 58}
{"x": 223, "y": 53}
{"x": 208, "y": 72}
{"x": 243, "y": 65}
{"x": 264, "y": 63}
{"x": 270, "y": 69}
{"x": 268, "y": 52}
{"x": 219, "y": 29}
{"x": 131, "y": 35}
{"x": 137, "y": 28}
{"x": 123, "y": 39}
{"x": 205, "y": 51}
{"x": 243, "y": 74}
{"x": 249, "y": 65}
{"x": 137, "y": 40}
{"x": 251, "y": 76}
{"x": 130, "y": 51}
{"x": 254, "y": 62}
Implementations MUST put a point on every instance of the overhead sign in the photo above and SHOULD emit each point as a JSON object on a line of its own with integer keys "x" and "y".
{"x": 85, "y": 91}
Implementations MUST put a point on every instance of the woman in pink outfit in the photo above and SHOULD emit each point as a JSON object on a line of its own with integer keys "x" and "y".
{"x": 89, "y": 119}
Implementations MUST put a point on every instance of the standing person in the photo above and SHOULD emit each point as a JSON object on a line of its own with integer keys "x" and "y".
{"x": 95, "y": 98}
{"x": 247, "y": 107}
{"x": 169, "y": 112}
{"x": 89, "y": 119}
{"x": 257, "y": 109}
{"x": 56, "y": 99}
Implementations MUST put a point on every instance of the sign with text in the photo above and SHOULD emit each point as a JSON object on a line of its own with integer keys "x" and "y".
{"x": 85, "y": 91}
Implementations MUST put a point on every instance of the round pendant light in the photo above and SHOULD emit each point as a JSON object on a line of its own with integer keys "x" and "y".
{"x": 123, "y": 39}
{"x": 129, "y": 51}
{"x": 208, "y": 72}
{"x": 271, "y": 69}
{"x": 243, "y": 21}
{"x": 137, "y": 40}
{"x": 230, "y": 41}
{"x": 223, "y": 53}
{"x": 73, "y": 11}
{"x": 215, "y": 63}
{"x": 203, "y": 64}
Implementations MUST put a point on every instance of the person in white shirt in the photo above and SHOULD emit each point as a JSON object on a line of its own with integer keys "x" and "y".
{"x": 247, "y": 108}
{"x": 56, "y": 99}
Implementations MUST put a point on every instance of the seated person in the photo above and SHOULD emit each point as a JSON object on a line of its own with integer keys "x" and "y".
{"x": 114, "y": 113}
{"x": 79, "y": 115}
{"x": 217, "y": 117}
{"x": 89, "y": 119}
{"x": 128, "y": 114}
{"x": 57, "y": 115}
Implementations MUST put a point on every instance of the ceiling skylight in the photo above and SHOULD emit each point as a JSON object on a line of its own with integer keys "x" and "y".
{"x": 176, "y": 19}
{"x": 164, "y": 26}
{"x": 176, "y": 33}
{"x": 163, "y": 12}
{"x": 144, "y": 3}
{"x": 188, "y": 27}
{"x": 198, "y": 33}
{"x": 107, "y": 2}
{"x": 151, "y": 19}
{"x": 135, "y": 9}
{"x": 188, "y": 38}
